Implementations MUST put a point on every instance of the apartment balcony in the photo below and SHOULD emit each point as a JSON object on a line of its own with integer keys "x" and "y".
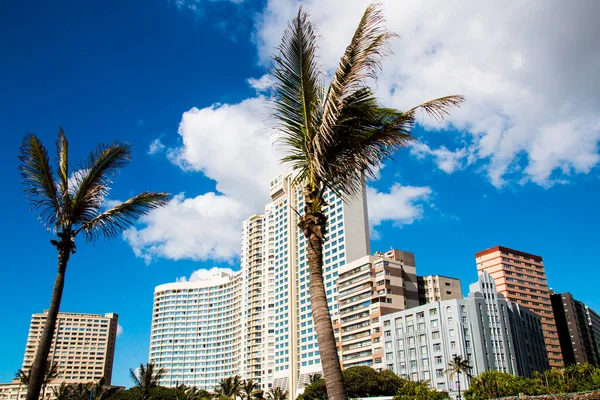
{"x": 354, "y": 280}
{"x": 356, "y": 290}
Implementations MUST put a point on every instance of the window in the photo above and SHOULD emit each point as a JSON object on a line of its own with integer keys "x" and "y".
{"x": 437, "y": 347}
{"x": 451, "y": 332}
{"x": 438, "y": 360}
{"x": 439, "y": 373}
{"x": 434, "y": 323}
{"x": 433, "y": 312}
{"x": 435, "y": 335}
{"x": 453, "y": 345}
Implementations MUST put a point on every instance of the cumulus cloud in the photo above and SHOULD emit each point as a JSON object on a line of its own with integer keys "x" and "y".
{"x": 119, "y": 330}
{"x": 528, "y": 70}
{"x": 206, "y": 274}
{"x": 446, "y": 160}
{"x": 200, "y": 228}
{"x": 156, "y": 146}
{"x": 262, "y": 84}
{"x": 402, "y": 205}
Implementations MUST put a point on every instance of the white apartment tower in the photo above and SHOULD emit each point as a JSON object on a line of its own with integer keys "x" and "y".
{"x": 196, "y": 331}
{"x": 296, "y": 350}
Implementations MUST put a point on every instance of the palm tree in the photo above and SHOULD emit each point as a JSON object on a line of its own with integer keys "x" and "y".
{"x": 146, "y": 377}
{"x": 456, "y": 367}
{"x": 80, "y": 391}
{"x": 249, "y": 390}
{"x": 332, "y": 138}
{"x": 62, "y": 392}
{"x": 277, "y": 394}
{"x": 72, "y": 204}
{"x": 193, "y": 393}
{"x": 314, "y": 378}
{"x": 50, "y": 373}
{"x": 101, "y": 391}
{"x": 230, "y": 387}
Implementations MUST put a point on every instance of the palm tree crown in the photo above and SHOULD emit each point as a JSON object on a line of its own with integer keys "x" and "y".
{"x": 458, "y": 366}
{"x": 334, "y": 136}
{"x": 70, "y": 204}
{"x": 277, "y": 394}
{"x": 230, "y": 387}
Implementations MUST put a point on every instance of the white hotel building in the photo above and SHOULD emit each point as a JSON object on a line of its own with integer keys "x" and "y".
{"x": 258, "y": 322}
{"x": 196, "y": 330}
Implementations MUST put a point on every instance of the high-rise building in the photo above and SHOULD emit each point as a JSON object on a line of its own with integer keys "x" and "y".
{"x": 196, "y": 330}
{"x": 83, "y": 347}
{"x": 347, "y": 238}
{"x": 418, "y": 343}
{"x": 521, "y": 278}
{"x": 369, "y": 288}
{"x": 258, "y": 299}
{"x": 578, "y": 330}
{"x": 438, "y": 288}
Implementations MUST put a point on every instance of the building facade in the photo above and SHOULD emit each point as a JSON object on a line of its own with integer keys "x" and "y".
{"x": 296, "y": 351}
{"x": 258, "y": 300}
{"x": 83, "y": 347}
{"x": 438, "y": 288}
{"x": 578, "y": 330}
{"x": 369, "y": 288}
{"x": 521, "y": 278}
{"x": 196, "y": 331}
{"x": 418, "y": 343}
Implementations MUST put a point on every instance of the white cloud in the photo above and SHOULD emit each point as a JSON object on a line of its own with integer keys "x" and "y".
{"x": 446, "y": 160}
{"x": 200, "y": 228}
{"x": 206, "y": 274}
{"x": 402, "y": 205}
{"x": 156, "y": 146}
{"x": 119, "y": 330}
{"x": 140, "y": 123}
{"x": 262, "y": 84}
{"x": 528, "y": 70}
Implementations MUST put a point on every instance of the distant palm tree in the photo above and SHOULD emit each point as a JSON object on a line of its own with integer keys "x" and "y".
{"x": 193, "y": 393}
{"x": 80, "y": 391}
{"x": 230, "y": 387}
{"x": 314, "y": 378}
{"x": 332, "y": 137}
{"x": 72, "y": 204}
{"x": 456, "y": 367}
{"x": 277, "y": 394}
{"x": 146, "y": 377}
{"x": 50, "y": 373}
{"x": 62, "y": 392}
{"x": 249, "y": 390}
{"x": 101, "y": 391}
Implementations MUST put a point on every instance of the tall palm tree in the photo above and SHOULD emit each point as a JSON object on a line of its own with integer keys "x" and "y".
{"x": 73, "y": 204}
{"x": 332, "y": 137}
{"x": 146, "y": 377}
{"x": 458, "y": 366}
{"x": 230, "y": 387}
{"x": 249, "y": 390}
{"x": 277, "y": 394}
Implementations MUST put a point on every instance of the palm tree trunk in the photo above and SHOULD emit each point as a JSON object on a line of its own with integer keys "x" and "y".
{"x": 313, "y": 225}
{"x": 38, "y": 368}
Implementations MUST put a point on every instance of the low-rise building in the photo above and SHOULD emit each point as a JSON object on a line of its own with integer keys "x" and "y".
{"x": 420, "y": 342}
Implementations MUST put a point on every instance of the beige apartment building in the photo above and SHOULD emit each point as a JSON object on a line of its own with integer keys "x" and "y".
{"x": 434, "y": 288}
{"x": 369, "y": 288}
{"x": 521, "y": 278}
{"x": 83, "y": 346}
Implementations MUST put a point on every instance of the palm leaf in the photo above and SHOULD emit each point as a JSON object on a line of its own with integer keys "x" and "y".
{"x": 112, "y": 222}
{"x": 62, "y": 150}
{"x": 94, "y": 179}
{"x": 38, "y": 179}
{"x": 438, "y": 108}
{"x": 361, "y": 60}
{"x": 299, "y": 92}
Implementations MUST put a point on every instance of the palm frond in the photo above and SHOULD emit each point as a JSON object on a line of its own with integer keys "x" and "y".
{"x": 365, "y": 136}
{"x": 133, "y": 374}
{"x": 438, "y": 108}
{"x": 38, "y": 179}
{"x": 299, "y": 93}
{"x": 62, "y": 150}
{"x": 361, "y": 60}
{"x": 112, "y": 222}
{"x": 92, "y": 184}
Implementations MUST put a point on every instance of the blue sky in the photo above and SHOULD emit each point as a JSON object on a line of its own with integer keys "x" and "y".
{"x": 516, "y": 166}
